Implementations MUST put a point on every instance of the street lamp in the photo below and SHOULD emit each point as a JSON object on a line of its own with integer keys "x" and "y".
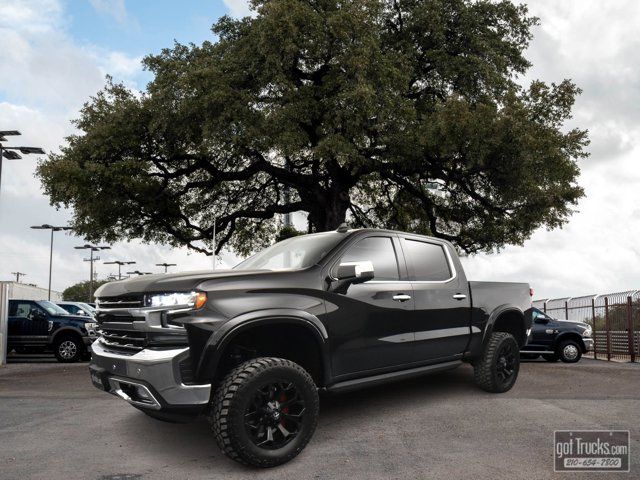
{"x": 120, "y": 263}
{"x": 46, "y": 226}
{"x": 166, "y": 265}
{"x": 92, "y": 248}
{"x": 10, "y": 152}
{"x": 138, "y": 272}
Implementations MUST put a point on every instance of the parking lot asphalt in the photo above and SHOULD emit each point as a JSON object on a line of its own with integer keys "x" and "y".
{"x": 55, "y": 425}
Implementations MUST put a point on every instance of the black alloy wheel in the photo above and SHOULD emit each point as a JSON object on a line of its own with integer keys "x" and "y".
{"x": 274, "y": 417}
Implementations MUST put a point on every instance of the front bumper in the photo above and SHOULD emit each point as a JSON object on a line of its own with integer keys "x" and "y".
{"x": 149, "y": 379}
{"x": 588, "y": 344}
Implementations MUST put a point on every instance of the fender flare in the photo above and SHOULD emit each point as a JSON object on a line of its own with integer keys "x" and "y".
{"x": 219, "y": 339}
{"x": 495, "y": 314}
{"x": 63, "y": 330}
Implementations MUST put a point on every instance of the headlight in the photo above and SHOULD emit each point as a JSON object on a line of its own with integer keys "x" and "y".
{"x": 91, "y": 328}
{"x": 587, "y": 332}
{"x": 191, "y": 299}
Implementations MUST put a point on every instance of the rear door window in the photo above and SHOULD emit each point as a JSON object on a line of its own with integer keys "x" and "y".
{"x": 426, "y": 261}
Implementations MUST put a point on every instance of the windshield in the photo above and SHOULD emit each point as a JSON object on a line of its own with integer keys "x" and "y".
{"x": 52, "y": 308}
{"x": 87, "y": 307}
{"x": 293, "y": 253}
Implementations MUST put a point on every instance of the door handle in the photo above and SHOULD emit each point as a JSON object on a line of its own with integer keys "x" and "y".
{"x": 401, "y": 297}
{"x": 459, "y": 296}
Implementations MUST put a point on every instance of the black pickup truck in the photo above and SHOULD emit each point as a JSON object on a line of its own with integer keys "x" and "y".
{"x": 251, "y": 347}
{"x": 555, "y": 339}
{"x": 38, "y": 326}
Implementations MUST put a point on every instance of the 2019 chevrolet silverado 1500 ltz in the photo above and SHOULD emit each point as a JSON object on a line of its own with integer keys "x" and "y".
{"x": 251, "y": 347}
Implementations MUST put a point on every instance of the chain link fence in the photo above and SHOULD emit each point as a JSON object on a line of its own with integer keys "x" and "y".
{"x": 614, "y": 317}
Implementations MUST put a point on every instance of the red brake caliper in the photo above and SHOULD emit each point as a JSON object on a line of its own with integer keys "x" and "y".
{"x": 282, "y": 399}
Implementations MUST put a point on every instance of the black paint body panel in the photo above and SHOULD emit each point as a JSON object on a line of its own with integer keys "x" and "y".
{"x": 361, "y": 330}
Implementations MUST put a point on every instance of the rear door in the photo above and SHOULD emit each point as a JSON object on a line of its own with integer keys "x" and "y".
{"x": 369, "y": 324}
{"x": 442, "y": 316}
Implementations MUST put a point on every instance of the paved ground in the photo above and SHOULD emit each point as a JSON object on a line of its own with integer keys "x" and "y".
{"x": 55, "y": 425}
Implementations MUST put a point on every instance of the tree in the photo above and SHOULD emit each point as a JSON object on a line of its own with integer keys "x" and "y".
{"x": 403, "y": 114}
{"x": 79, "y": 292}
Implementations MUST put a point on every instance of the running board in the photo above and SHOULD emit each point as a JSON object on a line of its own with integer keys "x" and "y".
{"x": 539, "y": 352}
{"x": 349, "y": 385}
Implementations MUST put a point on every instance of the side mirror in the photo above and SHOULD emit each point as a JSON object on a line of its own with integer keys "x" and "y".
{"x": 356, "y": 272}
{"x": 542, "y": 320}
{"x": 37, "y": 315}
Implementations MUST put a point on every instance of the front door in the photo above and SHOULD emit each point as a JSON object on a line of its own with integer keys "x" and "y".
{"x": 442, "y": 316}
{"x": 542, "y": 331}
{"x": 369, "y": 323}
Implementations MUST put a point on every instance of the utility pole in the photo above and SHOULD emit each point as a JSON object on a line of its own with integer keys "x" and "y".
{"x": 53, "y": 229}
{"x": 120, "y": 263}
{"x": 91, "y": 259}
{"x": 166, "y": 265}
{"x": 18, "y": 275}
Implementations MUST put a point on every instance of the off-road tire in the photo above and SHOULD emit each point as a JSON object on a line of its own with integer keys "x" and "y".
{"x": 485, "y": 369}
{"x": 233, "y": 396}
{"x": 62, "y": 349}
{"x": 562, "y": 352}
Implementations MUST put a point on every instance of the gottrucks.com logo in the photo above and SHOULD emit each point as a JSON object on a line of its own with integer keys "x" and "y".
{"x": 595, "y": 450}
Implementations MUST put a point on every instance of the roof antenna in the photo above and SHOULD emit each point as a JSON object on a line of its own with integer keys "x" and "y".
{"x": 343, "y": 228}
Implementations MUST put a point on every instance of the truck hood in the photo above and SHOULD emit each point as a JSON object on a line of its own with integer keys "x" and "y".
{"x": 172, "y": 282}
{"x": 573, "y": 322}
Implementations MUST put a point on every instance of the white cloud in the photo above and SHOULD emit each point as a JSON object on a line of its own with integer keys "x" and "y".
{"x": 47, "y": 76}
{"x": 594, "y": 44}
{"x": 113, "y": 8}
{"x": 239, "y": 8}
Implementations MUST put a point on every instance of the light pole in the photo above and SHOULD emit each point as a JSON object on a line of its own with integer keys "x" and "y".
{"x": 166, "y": 265}
{"x": 120, "y": 263}
{"x": 18, "y": 275}
{"x": 10, "y": 152}
{"x": 92, "y": 248}
{"x": 46, "y": 226}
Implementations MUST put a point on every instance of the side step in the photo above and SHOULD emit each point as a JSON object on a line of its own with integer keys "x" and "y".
{"x": 538, "y": 352}
{"x": 349, "y": 385}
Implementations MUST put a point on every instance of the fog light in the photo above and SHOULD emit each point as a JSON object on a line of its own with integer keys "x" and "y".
{"x": 143, "y": 395}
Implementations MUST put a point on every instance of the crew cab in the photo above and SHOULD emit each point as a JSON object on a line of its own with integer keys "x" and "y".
{"x": 37, "y": 326}
{"x": 557, "y": 339}
{"x": 251, "y": 347}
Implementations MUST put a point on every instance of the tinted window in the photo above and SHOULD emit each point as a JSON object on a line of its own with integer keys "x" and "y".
{"x": 380, "y": 252}
{"x": 427, "y": 260}
{"x": 19, "y": 309}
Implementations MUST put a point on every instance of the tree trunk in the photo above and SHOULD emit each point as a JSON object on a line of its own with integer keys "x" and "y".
{"x": 329, "y": 209}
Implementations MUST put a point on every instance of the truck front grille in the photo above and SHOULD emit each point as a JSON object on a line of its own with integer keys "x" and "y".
{"x": 124, "y": 301}
{"x": 125, "y": 341}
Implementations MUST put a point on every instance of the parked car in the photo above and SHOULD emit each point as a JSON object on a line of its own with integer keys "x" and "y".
{"x": 36, "y": 326}
{"x": 250, "y": 347}
{"x": 557, "y": 339}
{"x": 77, "y": 308}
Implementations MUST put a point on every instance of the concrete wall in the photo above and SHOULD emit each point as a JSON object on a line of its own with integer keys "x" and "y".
{"x": 21, "y": 291}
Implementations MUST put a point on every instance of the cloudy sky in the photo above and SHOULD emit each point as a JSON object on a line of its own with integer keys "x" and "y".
{"x": 56, "y": 53}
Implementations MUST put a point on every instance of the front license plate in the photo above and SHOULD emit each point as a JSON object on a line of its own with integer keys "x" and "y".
{"x": 96, "y": 379}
